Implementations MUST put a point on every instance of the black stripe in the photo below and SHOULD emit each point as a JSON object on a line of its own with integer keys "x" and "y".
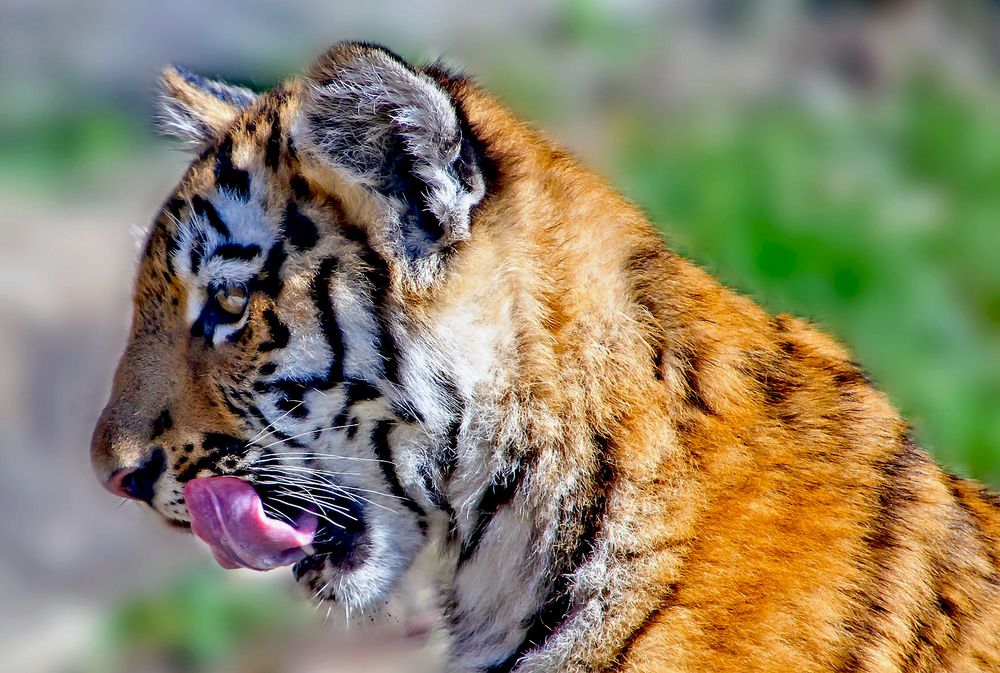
{"x": 234, "y": 180}
{"x": 438, "y": 500}
{"x": 217, "y": 447}
{"x": 448, "y": 458}
{"x": 377, "y": 277}
{"x": 852, "y": 375}
{"x": 774, "y": 376}
{"x": 272, "y": 148}
{"x": 320, "y": 291}
{"x": 380, "y": 443}
{"x": 237, "y": 251}
{"x": 195, "y": 254}
{"x": 641, "y": 629}
{"x": 279, "y": 332}
{"x": 227, "y": 397}
{"x": 291, "y": 395}
{"x": 270, "y": 281}
{"x": 595, "y": 509}
{"x": 227, "y": 444}
{"x": 300, "y": 188}
{"x": 203, "y": 208}
{"x": 172, "y": 208}
{"x": 355, "y": 391}
{"x": 477, "y": 151}
{"x": 976, "y": 525}
{"x": 581, "y": 536}
{"x": 499, "y": 493}
{"x": 162, "y": 423}
{"x": 407, "y": 414}
{"x": 173, "y": 245}
{"x": 297, "y": 228}
{"x": 292, "y": 391}
{"x": 692, "y": 372}
{"x": 358, "y": 390}
{"x": 893, "y": 495}
{"x": 273, "y": 433}
{"x": 658, "y": 370}
{"x": 340, "y": 420}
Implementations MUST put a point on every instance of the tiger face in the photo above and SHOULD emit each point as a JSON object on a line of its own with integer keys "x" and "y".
{"x": 278, "y": 395}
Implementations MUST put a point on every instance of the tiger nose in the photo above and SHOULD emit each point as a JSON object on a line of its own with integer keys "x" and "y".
{"x": 138, "y": 483}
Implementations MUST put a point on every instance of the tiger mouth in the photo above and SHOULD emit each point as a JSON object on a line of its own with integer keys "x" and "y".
{"x": 228, "y": 514}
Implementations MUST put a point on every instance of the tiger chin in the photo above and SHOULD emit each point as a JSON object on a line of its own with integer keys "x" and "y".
{"x": 380, "y": 314}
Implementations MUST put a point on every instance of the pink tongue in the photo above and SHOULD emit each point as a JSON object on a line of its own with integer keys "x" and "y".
{"x": 227, "y": 514}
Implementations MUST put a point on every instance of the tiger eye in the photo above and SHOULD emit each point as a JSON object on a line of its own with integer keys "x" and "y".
{"x": 232, "y": 300}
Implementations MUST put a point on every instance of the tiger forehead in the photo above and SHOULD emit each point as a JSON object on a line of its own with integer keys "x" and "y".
{"x": 257, "y": 142}
{"x": 249, "y": 194}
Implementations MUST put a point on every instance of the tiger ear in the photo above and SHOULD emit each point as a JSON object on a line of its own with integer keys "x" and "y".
{"x": 392, "y": 128}
{"x": 196, "y": 109}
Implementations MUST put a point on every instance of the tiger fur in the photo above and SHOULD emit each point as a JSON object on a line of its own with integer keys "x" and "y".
{"x": 456, "y": 337}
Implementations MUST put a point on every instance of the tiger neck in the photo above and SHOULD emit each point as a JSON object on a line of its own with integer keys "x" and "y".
{"x": 547, "y": 354}
{"x": 527, "y": 473}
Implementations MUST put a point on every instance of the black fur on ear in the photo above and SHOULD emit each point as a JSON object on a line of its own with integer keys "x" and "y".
{"x": 196, "y": 109}
{"x": 381, "y": 122}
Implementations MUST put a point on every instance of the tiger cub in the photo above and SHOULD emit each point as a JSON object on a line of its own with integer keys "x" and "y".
{"x": 381, "y": 314}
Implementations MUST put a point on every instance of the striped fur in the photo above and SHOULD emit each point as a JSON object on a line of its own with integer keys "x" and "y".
{"x": 458, "y": 337}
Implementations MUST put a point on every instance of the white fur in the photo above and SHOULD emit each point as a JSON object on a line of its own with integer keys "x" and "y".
{"x": 372, "y": 100}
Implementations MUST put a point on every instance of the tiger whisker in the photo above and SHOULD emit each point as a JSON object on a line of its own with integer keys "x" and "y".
{"x": 332, "y": 473}
{"x": 315, "y": 596}
{"x": 306, "y": 509}
{"x": 325, "y": 504}
{"x": 408, "y": 407}
{"x": 278, "y": 514}
{"x": 271, "y": 425}
{"x": 324, "y": 488}
{"x": 373, "y": 503}
{"x": 363, "y": 490}
{"x": 317, "y": 483}
{"x": 314, "y": 455}
{"x": 302, "y": 434}
{"x": 347, "y": 492}
{"x": 304, "y": 469}
{"x": 321, "y": 481}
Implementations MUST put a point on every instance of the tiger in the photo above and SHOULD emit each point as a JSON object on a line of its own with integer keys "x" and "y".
{"x": 382, "y": 316}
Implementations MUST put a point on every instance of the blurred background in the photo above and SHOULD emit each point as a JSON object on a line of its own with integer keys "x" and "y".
{"x": 836, "y": 159}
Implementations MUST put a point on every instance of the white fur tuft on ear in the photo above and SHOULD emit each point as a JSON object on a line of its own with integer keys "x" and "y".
{"x": 195, "y": 109}
{"x": 392, "y": 128}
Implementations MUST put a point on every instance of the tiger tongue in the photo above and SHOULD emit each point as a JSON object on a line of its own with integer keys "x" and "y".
{"x": 228, "y": 514}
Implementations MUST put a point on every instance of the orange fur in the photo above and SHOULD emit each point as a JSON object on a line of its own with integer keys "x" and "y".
{"x": 766, "y": 508}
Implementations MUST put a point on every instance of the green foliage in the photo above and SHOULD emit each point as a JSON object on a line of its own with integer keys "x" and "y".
{"x": 879, "y": 221}
{"x": 60, "y": 150}
{"x": 200, "y": 620}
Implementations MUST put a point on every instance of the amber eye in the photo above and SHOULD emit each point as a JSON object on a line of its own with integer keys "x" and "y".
{"x": 232, "y": 301}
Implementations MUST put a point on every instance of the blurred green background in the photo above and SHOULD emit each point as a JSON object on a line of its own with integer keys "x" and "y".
{"x": 839, "y": 160}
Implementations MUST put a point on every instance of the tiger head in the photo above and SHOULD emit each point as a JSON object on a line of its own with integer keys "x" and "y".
{"x": 301, "y": 335}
